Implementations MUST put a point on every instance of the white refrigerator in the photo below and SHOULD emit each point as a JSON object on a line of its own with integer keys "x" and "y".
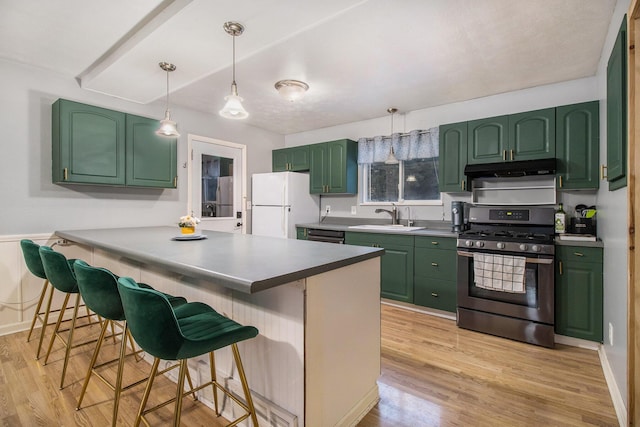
{"x": 279, "y": 201}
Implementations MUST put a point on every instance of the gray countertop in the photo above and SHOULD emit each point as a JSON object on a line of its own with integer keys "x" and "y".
{"x": 238, "y": 261}
{"x": 432, "y": 228}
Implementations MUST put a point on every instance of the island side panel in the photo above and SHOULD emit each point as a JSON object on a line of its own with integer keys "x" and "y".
{"x": 342, "y": 342}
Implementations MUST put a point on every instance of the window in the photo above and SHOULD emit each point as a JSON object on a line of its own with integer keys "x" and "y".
{"x": 409, "y": 181}
{"x": 413, "y": 179}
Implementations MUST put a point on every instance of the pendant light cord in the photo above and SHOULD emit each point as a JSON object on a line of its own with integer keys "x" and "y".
{"x": 167, "y": 90}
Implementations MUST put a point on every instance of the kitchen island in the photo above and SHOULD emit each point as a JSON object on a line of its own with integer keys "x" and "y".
{"x": 316, "y": 305}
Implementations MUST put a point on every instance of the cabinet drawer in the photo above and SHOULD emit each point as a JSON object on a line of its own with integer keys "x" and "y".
{"x": 579, "y": 254}
{"x": 379, "y": 239}
{"x": 439, "y": 294}
{"x": 435, "y": 263}
{"x": 436, "y": 242}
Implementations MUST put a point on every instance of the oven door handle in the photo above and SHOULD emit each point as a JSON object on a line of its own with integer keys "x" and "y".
{"x": 528, "y": 260}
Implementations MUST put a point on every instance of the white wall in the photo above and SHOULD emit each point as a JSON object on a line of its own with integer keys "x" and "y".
{"x": 32, "y": 204}
{"x": 612, "y": 227}
{"x": 507, "y": 103}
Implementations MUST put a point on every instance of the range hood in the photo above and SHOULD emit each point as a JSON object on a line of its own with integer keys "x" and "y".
{"x": 512, "y": 169}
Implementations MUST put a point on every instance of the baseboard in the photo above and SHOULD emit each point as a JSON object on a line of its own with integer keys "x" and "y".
{"x": 577, "y": 342}
{"x": 362, "y": 408}
{"x": 419, "y": 309}
{"x": 614, "y": 391}
{"x": 14, "y": 327}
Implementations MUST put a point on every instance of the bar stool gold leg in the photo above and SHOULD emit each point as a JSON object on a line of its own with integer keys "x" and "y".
{"x": 37, "y": 314}
{"x": 46, "y": 321}
{"x": 214, "y": 380}
{"x": 94, "y": 358}
{"x": 70, "y": 340}
{"x": 147, "y": 390}
{"x": 180, "y": 392}
{"x": 245, "y": 385}
{"x": 118, "y": 386}
{"x": 55, "y": 329}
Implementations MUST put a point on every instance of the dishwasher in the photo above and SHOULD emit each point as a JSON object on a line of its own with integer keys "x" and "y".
{"x": 329, "y": 236}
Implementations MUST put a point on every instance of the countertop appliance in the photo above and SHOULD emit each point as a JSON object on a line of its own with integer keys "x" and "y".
{"x": 279, "y": 201}
{"x": 506, "y": 279}
{"x": 459, "y": 216}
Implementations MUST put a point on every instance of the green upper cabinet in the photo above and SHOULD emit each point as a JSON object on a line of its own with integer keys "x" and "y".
{"x": 453, "y": 158}
{"x": 577, "y": 146}
{"x": 488, "y": 140}
{"x": 579, "y": 292}
{"x": 617, "y": 111}
{"x": 151, "y": 159}
{"x": 88, "y": 144}
{"x": 532, "y": 135}
{"x": 333, "y": 167}
{"x": 92, "y": 145}
{"x": 294, "y": 159}
{"x": 523, "y": 136}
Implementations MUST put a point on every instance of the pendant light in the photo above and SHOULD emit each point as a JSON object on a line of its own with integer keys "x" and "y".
{"x": 233, "y": 109}
{"x": 167, "y": 126}
{"x": 391, "y": 160}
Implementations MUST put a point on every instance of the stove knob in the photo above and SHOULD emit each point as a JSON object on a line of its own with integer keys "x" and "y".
{"x": 535, "y": 248}
{"x": 468, "y": 243}
{"x": 523, "y": 247}
{"x": 479, "y": 244}
{"x": 500, "y": 245}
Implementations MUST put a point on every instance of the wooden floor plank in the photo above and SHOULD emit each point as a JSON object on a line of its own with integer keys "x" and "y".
{"x": 433, "y": 374}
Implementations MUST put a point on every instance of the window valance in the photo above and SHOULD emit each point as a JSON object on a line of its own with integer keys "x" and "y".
{"x": 417, "y": 144}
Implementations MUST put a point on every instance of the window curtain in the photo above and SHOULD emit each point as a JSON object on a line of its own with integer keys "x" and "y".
{"x": 417, "y": 144}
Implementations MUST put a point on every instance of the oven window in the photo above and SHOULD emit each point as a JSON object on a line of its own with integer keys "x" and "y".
{"x": 529, "y": 298}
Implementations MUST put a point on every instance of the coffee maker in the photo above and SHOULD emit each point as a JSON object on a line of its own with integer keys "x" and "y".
{"x": 459, "y": 216}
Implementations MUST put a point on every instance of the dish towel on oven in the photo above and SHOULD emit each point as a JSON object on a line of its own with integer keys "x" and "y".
{"x": 503, "y": 273}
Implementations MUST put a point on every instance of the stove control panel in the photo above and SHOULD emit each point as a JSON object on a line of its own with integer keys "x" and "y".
{"x": 498, "y": 246}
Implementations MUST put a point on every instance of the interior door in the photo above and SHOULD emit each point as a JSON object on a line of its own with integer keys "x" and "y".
{"x": 217, "y": 187}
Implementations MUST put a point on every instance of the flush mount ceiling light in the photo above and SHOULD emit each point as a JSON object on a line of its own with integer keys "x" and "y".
{"x": 391, "y": 160}
{"x": 291, "y": 90}
{"x": 233, "y": 109}
{"x": 167, "y": 126}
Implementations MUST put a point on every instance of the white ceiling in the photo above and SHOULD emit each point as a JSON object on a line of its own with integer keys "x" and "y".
{"x": 359, "y": 57}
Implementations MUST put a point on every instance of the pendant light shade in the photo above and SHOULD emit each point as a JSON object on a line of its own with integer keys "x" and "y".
{"x": 167, "y": 126}
{"x": 233, "y": 108}
{"x": 391, "y": 159}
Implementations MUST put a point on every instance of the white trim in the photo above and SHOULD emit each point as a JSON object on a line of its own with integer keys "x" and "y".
{"x": 614, "y": 391}
{"x": 577, "y": 342}
{"x": 243, "y": 151}
{"x": 18, "y": 237}
{"x": 419, "y": 309}
{"x": 14, "y": 327}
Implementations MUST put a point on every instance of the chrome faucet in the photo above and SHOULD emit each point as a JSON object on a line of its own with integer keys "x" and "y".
{"x": 393, "y": 212}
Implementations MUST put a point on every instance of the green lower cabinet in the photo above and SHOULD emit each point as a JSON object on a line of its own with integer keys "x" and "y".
{"x": 396, "y": 265}
{"x": 435, "y": 283}
{"x": 579, "y": 292}
{"x": 301, "y": 233}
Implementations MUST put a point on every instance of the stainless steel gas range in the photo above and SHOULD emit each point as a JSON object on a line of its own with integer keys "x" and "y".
{"x": 506, "y": 273}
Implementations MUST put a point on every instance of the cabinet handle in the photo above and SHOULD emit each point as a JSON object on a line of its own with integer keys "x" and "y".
{"x": 433, "y": 294}
{"x": 504, "y": 155}
{"x": 65, "y": 174}
{"x": 578, "y": 254}
{"x": 560, "y": 267}
{"x": 175, "y": 181}
{"x": 511, "y": 152}
{"x": 462, "y": 184}
{"x": 602, "y": 175}
{"x": 560, "y": 181}
{"x": 434, "y": 264}
{"x": 435, "y": 243}
{"x": 305, "y": 232}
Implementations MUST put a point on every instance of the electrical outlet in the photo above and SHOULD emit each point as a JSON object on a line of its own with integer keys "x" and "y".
{"x": 327, "y": 209}
{"x": 353, "y": 210}
{"x": 610, "y": 334}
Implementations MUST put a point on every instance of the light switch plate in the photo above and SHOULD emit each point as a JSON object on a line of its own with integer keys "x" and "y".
{"x": 353, "y": 210}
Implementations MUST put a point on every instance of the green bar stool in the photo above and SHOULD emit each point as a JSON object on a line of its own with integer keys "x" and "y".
{"x": 60, "y": 274}
{"x": 165, "y": 334}
{"x": 30, "y": 251}
{"x": 99, "y": 290}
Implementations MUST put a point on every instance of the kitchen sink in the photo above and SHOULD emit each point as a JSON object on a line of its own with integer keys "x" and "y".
{"x": 387, "y": 227}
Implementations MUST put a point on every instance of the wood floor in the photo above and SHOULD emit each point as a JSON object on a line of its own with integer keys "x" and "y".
{"x": 433, "y": 374}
